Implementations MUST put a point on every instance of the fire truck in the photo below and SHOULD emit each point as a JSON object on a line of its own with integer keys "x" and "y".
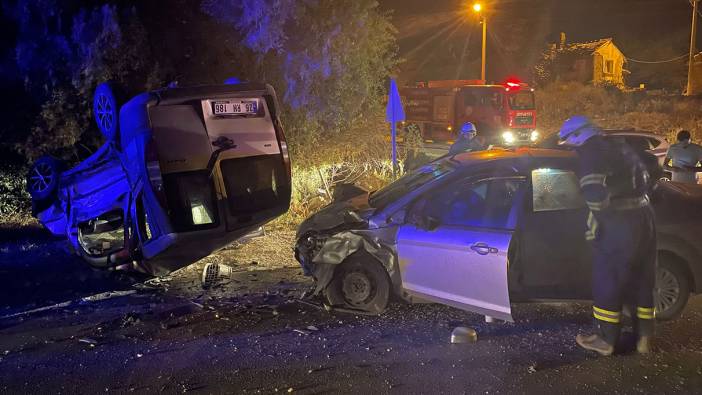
{"x": 504, "y": 114}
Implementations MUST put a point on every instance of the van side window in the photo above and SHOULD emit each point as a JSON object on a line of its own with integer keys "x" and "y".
{"x": 555, "y": 189}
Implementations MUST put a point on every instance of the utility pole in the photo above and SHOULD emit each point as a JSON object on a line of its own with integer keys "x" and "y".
{"x": 693, "y": 37}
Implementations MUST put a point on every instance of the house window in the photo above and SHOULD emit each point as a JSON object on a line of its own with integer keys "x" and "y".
{"x": 609, "y": 67}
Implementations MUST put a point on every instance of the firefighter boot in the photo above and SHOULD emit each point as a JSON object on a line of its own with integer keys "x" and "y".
{"x": 644, "y": 329}
{"x": 643, "y": 346}
{"x": 595, "y": 343}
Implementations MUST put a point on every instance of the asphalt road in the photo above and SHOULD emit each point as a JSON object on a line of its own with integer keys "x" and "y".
{"x": 253, "y": 335}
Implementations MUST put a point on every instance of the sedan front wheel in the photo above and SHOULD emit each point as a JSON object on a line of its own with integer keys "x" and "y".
{"x": 359, "y": 284}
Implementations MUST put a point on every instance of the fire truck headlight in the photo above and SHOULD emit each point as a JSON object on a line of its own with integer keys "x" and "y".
{"x": 534, "y": 136}
{"x": 508, "y": 137}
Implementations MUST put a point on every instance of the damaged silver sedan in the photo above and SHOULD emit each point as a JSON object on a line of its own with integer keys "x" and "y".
{"x": 183, "y": 173}
{"x": 479, "y": 231}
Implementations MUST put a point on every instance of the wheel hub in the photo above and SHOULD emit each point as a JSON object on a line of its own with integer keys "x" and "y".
{"x": 105, "y": 112}
{"x": 357, "y": 287}
{"x": 667, "y": 290}
{"x": 41, "y": 178}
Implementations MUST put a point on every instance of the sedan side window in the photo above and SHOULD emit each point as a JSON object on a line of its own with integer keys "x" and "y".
{"x": 638, "y": 143}
{"x": 483, "y": 204}
{"x": 654, "y": 142}
{"x": 556, "y": 189}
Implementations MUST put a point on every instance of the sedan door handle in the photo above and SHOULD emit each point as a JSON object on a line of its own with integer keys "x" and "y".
{"x": 483, "y": 249}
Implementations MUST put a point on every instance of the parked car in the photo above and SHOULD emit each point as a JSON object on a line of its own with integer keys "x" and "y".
{"x": 481, "y": 230}
{"x": 183, "y": 172}
{"x": 639, "y": 139}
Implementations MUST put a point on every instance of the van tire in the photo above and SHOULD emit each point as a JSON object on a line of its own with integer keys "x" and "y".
{"x": 43, "y": 179}
{"x": 107, "y": 100}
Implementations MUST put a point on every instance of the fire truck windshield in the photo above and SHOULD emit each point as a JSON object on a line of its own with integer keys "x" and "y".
{"x": 521, "y": 100}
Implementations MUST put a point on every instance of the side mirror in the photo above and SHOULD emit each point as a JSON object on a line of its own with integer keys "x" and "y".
{"x": 430, "y": 223}
{"x": 352, "y": 217}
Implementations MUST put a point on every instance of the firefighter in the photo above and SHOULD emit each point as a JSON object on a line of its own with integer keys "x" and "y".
{"x": 621, "y": 231}
{"x": 684, "y": 156}
{"x": 467, "y": 140}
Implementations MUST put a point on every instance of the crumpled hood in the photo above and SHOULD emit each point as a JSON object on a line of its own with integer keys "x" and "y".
{"x": 337, "y": 214}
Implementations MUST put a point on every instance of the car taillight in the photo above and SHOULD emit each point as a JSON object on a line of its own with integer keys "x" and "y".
{"x": 153, "y": 168}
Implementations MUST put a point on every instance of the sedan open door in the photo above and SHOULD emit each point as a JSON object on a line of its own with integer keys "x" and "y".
{"x": 455, "y": 247}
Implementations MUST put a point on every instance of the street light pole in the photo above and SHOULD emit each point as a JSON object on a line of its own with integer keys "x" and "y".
{"x": 477, "y": 7}
{"x": 482, "y": 65}
{"x": 693, "y": 37}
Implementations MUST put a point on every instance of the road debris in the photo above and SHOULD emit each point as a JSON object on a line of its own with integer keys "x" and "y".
{"x": 87, "y": 340}
{"x": 462, "y": 334}
{"x": 214, "y": 273}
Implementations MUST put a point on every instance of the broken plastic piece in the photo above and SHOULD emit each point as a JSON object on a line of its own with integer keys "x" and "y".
{"x": 214, "y": 273}
{"x": 462, "y": 334}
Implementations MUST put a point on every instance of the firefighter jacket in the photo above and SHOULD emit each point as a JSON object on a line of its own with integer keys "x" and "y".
{"x": 612, "y": 177}
{"x": 466, "y": 144}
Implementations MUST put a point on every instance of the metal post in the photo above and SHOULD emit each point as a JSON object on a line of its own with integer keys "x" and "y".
{"x": 693, "y": 36}
{"x": 482, "y": 66}
{"x": 394, "y": 149}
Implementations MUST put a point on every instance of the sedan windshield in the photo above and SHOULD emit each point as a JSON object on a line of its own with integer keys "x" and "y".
{"x": 411, "y": 181}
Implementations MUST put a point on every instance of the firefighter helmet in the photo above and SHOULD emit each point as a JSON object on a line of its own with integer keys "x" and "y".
{"x": 468, "y": 129}
{"x": 576, "y": 130}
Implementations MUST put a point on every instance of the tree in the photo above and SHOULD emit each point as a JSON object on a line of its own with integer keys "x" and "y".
{"x": 329, "y": 60}
{"x": 63, "y": 52}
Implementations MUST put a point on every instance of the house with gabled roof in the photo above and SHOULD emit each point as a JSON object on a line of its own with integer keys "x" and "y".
{"x": 598, "y": 62}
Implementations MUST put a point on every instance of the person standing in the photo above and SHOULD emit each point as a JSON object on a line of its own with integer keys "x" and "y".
{"x": 621, "y": 232}
{"x": 685, "y": 157}
{"x": 467, "y": 140}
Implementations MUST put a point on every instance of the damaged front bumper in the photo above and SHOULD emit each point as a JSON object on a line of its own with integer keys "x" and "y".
{"x": 319, "y": 254}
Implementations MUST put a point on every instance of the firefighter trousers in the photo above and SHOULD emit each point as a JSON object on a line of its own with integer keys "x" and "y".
{"x": 623, "y": 273}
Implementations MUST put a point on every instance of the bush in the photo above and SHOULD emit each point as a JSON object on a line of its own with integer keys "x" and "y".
{"x": 360, "y": 156}
{"x": 15, "y": 202}
{"x": 611, "y": 108}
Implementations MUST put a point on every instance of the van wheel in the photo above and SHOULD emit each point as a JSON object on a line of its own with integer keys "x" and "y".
{"x": 43, "y": 178}
{"x": 360, "y": 284}
{"x": 672, "y": 288}
{"x": 106, "y": 102}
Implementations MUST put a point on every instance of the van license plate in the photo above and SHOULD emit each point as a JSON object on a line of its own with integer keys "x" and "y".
{"x": 235, "y": 107}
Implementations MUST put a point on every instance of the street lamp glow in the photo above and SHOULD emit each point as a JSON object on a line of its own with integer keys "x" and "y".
{"x": 477, "y": 7}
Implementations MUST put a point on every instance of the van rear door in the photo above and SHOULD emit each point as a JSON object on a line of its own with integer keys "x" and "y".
{"x": 254, "y": 175}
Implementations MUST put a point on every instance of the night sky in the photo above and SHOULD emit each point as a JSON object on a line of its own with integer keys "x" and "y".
{"x": 520, "y": 29}
{"x": 518, "y": 32}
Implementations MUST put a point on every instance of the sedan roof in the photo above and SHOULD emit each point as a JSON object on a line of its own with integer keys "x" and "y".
{"x": 471, "y": 158}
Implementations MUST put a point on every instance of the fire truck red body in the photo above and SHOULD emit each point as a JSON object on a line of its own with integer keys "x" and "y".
{"x": 503, "y": 114}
